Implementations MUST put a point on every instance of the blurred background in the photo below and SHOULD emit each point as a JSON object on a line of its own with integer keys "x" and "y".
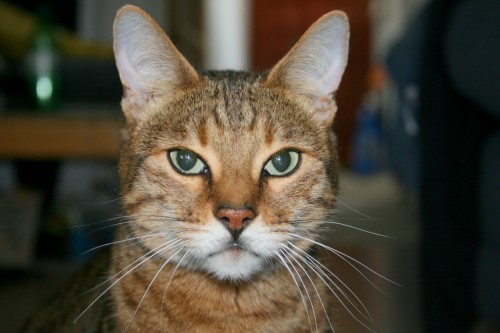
{"x": 418, "y": 130}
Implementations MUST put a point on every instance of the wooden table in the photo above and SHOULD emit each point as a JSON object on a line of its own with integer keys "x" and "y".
{"x": 60, "y": 135}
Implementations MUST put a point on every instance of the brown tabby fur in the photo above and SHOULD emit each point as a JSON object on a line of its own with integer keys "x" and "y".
{"x": 235, "y": 121}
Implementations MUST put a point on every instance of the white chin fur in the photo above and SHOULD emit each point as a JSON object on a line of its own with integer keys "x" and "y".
{"x": 233, "y": 265}
{"x": 211, "y": 249}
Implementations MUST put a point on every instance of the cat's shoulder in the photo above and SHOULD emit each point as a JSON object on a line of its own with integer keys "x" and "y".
{"x": 60, "y": 312}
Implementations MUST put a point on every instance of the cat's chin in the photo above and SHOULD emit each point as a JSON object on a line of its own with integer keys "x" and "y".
{"x": 233, "y": 264}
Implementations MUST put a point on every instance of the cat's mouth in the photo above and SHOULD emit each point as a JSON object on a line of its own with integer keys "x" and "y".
{"x": 234, "y": 248}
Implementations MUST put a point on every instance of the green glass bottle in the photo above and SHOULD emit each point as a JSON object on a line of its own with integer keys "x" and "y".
{"x": 42, "y": 63}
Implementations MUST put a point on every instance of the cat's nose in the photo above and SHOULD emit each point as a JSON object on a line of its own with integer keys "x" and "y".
{"x": 235, "y": 220}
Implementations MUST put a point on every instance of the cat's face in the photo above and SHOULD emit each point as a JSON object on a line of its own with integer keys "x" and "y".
{"x": 229, "y": 167}
{"x": 230, "y": 144}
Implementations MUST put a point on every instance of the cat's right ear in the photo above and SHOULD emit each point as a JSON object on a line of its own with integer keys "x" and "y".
{"x": 148, "y": 62}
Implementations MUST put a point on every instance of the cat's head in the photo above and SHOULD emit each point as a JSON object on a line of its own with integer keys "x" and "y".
{"x": 222, "y": 171}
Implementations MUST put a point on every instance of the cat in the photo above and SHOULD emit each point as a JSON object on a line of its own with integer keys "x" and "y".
{"x": 228, "y": 179}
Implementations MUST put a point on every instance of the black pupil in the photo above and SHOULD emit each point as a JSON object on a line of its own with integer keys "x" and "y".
{"x": 281, "y": 161}
{"x": 186, "y": 159}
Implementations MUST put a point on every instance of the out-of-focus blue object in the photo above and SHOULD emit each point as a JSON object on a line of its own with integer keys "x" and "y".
{"x": 366, "y": 152}
{"x": 404, "y": 66}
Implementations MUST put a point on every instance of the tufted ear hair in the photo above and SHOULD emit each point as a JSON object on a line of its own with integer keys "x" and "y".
{"x": 148, "y": 63}
{"x": 314, "y": 66}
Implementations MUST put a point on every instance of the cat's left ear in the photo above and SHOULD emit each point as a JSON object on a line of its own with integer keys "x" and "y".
{"x": 314, "y": 66}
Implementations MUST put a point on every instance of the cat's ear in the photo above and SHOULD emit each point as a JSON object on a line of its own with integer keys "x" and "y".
{"x": 148, "y": 63}
{"x": 314, "y": 66}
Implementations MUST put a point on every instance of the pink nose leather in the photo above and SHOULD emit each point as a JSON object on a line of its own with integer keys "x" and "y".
{"x": 235, "y": 220}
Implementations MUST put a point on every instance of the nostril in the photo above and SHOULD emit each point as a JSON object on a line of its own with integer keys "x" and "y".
{"x": 235, "y": 220}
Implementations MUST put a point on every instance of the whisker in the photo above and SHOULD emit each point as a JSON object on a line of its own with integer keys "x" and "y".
{"x": 346, "y": 258}
{"x": 313, "y": 285}
{"x": 149, "y": 286}
{"x": 343, "y": 256}
{"x": 104, "y": 202}
{"x": 359, "y": 229}
{"x": 322, "y": 268}
{"x": 340, "y": 224}
{"x": 168, "y": 218}
{"x": 165, "y": 247}
{"x": 152, "y": 252}
{"x": 280, "y": 257}
{"x": 322, "y": 220}
{"x": 96, "y": 223}
{"x": 305, "y": 288}
{"x": 341, "y": 218}
{"x": 168, "y": 285}
{"x": 113, "y": 225}
{"x": 123, "y": 240}
{"x": 354, "y": 210}
{"x": 150, "y": 219}
{"x": 128, "y": 220}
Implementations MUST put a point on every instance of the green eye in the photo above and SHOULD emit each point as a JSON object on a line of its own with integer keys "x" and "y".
{"x": 187, "y": 162}
{"x": 282, "y": 163}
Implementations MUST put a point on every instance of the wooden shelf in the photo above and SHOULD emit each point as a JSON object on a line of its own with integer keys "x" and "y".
{"x": 60, "y": 135}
